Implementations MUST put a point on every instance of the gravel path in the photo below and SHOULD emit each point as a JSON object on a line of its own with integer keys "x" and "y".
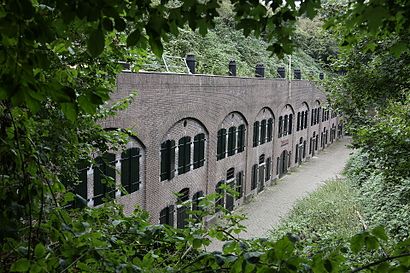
{"x": 275, "y": 202}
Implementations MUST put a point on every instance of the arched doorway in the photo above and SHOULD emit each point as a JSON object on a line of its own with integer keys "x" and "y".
{"x": 283, "y": 163}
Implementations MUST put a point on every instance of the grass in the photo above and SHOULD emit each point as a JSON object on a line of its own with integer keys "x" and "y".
{"x": 325, "y": 218}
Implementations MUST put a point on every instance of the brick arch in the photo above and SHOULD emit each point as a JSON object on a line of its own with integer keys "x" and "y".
{"x": 131, "y": 135}
{"x": 231, "y": 116}
{"x": 286, "y": 109}
{"x": 188, "y": 126}
{"x": 304, "y": 105}
{"x": 261, "y": 111}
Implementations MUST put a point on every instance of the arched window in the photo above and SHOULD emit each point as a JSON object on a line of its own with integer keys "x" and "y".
{"x": 104, "y": 177}
{"x": 280, "y": 124}
{"x": 263, "y": 131}
{"x": 270, "y": 130}
{"x": 182, "y": 214}
{"x": 130, "y": 170}
{"x": 231, "y": 140}
{"x": 241, "y": 138}
{"x": 290, "y": 124}
{"x": 221, "y": 147}
{"x": 285, "y": 125}
{"x": 167, "y": 160}
{"x": 255, "y": 133}
{"x": 166, "y": 216}
{"x": 254, "y": 178}
{"x": 184, "y": 154}
{"x": 199, "y": 150}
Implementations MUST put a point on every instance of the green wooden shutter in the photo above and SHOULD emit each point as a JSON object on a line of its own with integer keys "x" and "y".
{"x": 263, "y": 131}
{"x": 165, "y": 164}
{"x": 280, "y": 125}
{"x": 306, "y": 119}
{"x": 197, "y": 143}
{"x": 202, "y": 150}
{"x": 134, "y": 169}
{"x": 231, "y": 140}
{"x": 290, "y": 124}
{"x": 110, "y": 173}
{"x": 125, "y": 171}
{"x": 187, "y": 154}
{"x": 98, "y": 186}
{"x": 298, "y": 122}
{"x": 270, "y": 130}
{"x": 255, "y": 133}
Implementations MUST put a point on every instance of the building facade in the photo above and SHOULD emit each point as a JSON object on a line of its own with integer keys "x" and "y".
{"x": 196, "y": 132}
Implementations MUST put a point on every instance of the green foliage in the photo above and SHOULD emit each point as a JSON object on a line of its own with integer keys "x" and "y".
{"x": 385, "y": 200}
{"x": 325, "y": 219}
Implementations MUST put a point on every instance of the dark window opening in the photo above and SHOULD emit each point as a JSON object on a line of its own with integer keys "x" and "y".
{"x": 290, "y": 124}
{"x": 130, "y": 170}
{"x": 241, "y": 138}
{"x": 280, "y": 124}
{"x": 104, "y": 178}
{"x": 231, "y": 141}
{"x": 263, "y": 132}
{"x": 255, "y": 133}
{"x": 184, "y": 155}
{"x": 167, "y": 160}
{"x": 199, "y": 150}
{"x": 221, "y": 146}
{"x": 270, "y": 130}
{"x": 166, "y": 216}
{"x": 230, "y": 174}
{"x": 182, "y": 210}
{"x": 239, "y": 184}
{"x": 254, "y": 178}
{"x": 268, "y": 168}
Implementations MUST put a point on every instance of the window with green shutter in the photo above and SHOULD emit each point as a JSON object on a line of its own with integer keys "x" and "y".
{"x": 285, "y": 125}
{"x": 130, "y": 170}
{"x": 167, "y": 160}
{"x": 268, "y": 168}
{"x": 263, "y": 131}
{"x": 80, "y": 189}
{"x": 241, "y": 138}
{"x": 231, "y": 141}
{"x": 290, "y": 124}
{"x": 220, "y": 200}
{"x": 306, "y": 119}
{"x": 270, "y": 130}
{"x": 184, "y": 155}
{"x": 199, "y": 150}
{"x": 196, "y": 207}
{"x": 239, "y": 184}
{"x": 104, "y": 178}
{"x": 166, "y": 216}
{"x": 254, "y": 177}
{"x": 221, "y": 145}
{"x": 255, "y": 133}
{"x": 298, "y": 122}
{"x": 280, "y": 125}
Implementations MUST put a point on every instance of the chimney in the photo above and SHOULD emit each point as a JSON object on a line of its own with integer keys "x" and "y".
{"x": 190, "y": 62}
{"x": 281, "y": 72}
{"x": 297, "y": 74}
{"x": 232, "y": 68}
{"x": 259, "y": 71}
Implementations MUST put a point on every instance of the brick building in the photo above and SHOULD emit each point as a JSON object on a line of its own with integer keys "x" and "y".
{"x": 195, "y": 132}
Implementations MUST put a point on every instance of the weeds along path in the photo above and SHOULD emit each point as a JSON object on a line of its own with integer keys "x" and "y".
{"x": 268, "y": 208}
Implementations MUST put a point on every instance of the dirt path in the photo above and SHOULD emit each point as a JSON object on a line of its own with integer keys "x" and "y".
{"x": 275, "y": 202}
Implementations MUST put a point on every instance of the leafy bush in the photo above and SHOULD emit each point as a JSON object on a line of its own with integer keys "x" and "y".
{"x": 325, "y": 219}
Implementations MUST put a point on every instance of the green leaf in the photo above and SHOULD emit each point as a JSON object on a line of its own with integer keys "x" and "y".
{"x": 96, "y": 43}
{"x": 70, "y": 111}
{"x": 196, "y": 243}
{"x": 357, "y": 243}
{"x": 380, "y": 233}
{"x": 21, "y": 265}
{"x": 39, "y": 250}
